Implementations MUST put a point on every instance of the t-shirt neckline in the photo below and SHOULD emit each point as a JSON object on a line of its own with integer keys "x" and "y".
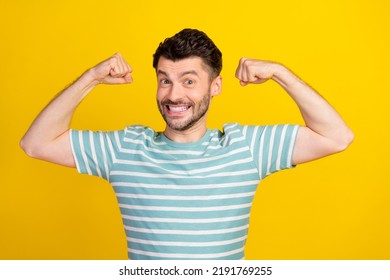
{"x": 204, "y": 138}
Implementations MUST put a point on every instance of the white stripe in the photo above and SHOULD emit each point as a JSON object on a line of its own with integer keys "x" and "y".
{"x": 271, "y": 147}
{"x": 172, "y": 176}
{"x": 245, "y": 130}
{"x": 181, "y": 187}
{"x": 186, "y": 256}
{"x": 227, "y": 127}
{"x": 103, "y": 147}
{"x": 185, "y": 209}
{"x": 93, "y": 151}
{"x": 185, "y": 221}
{"x": 213, "y": 133}
{"x": 290, "y": 150}
{"x": 214, "y": 147}
{"x": 252, "y": 147}
{"x": 228, "y": 141}
{"x": 261, "y": 152}
{"x": 187, "y": 232}
{"x": 83, "y": 153}
{"x": 187, "y": 244}
{"x": 232, "y": 131}
{"x": 112, "y": 153}
{"x": 188, "y": 161}
{"x": 146, "y": 137}
{"x": 281, "y": 145}
{"x": 214, "y": 139}
{"x": 158, "y": 151}
{"x": 184, "y": 172}
{"x": 71, "y": 132}
{"x": 181, "y": 197}
{"x": 118, "y": 142}
{"x": 234, "y": 140}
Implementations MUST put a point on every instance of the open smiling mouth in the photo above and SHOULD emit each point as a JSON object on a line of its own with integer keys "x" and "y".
{"x": 177, "y": 108}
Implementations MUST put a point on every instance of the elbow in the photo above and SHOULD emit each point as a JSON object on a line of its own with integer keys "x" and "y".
{"x": 24, "y": 145}
{"x": 345, "y": 140}
{"x": 29, "y": 148}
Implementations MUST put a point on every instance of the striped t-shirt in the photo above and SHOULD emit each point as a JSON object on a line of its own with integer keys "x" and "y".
{"x": 185, "y": 200}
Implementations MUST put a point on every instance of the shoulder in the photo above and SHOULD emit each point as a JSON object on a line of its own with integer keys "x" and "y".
{"x": 136, "y": 131}
{"x": 236, "y": 129}
{"x": 230, "y": 127}
{"x": 257, "y": 132}
{"x": 140, "y": 134}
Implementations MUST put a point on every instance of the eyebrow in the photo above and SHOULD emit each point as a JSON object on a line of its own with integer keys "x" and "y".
{"x": 193, "y": 72}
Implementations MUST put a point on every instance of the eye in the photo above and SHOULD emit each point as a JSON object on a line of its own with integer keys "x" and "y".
{"x": 189, "y": 82}
{"x": 164, "y": 82}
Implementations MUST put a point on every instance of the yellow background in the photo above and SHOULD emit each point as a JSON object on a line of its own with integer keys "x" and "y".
{"x": 335, "y": 208}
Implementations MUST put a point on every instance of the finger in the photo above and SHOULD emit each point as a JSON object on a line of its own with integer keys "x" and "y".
{"x": 128, "y": 78}
{"x": 240, "y": 72}
{"x": 124, "y": 66}
{"x": 128, "y": 68}
{"x": 247, "y": 71}
{"x": 116, "y": 67}
{"x": 252, "y": 76}
{"x": 242, "y": 83}
{"x": 119, "y": 80}
{"x": 119, "y": 67}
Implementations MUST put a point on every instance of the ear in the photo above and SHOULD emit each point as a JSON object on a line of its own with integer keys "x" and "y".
{"x": 216, "y": 86}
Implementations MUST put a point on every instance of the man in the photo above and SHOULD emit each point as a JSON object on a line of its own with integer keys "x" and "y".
{"x": 186, "y": 193}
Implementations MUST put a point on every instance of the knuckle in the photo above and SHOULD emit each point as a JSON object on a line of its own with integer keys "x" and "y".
{"x": 243, "y": 60}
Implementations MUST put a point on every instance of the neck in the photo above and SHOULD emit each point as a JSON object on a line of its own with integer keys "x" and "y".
{"x": 192, "y": 134}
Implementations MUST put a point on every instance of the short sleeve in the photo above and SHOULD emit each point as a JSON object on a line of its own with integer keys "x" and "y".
{"x": 94, "y": 152}
{"x": 271, "y": 146}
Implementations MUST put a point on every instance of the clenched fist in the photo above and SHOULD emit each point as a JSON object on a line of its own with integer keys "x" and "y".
{"x": 253, "y": 71}
{"x": 114, "y": 70}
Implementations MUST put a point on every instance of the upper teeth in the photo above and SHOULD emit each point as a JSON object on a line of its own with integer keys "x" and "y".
{"x": 178, "y": 109}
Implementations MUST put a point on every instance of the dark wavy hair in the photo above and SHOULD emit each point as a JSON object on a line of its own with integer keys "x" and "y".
{"x": 189, "y": 43}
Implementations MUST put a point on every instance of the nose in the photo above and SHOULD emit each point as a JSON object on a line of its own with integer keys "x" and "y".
{"x": 175, "y": 93}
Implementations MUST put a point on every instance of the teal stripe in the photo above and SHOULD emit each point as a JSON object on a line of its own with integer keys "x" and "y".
{"x": 186, "y": 226}
{"x": 87, "y": 146}
{"x": 183, "y": 180}
{"x": 186, "y": 249}
{"x": 99, "y": 154}
{"x": 185, "y": 192}
{"x": 133, "y": 256}
{"x": 187, "y": 238}
{"x": 185, "y": 215}
{"x": 77, "y": 152}
{"x": 185, "y": 203}
{"x": 275, "y": 148}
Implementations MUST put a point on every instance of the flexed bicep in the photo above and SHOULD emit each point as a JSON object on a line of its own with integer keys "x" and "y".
{"x": 48, "y": 136}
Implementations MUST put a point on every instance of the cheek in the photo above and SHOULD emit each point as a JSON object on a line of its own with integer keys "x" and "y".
{"x": 160, "y": 94}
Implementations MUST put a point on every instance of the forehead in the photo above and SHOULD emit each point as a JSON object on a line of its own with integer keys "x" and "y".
{"x": 190, "y": 64}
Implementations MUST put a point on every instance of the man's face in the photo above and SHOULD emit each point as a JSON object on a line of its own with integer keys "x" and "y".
{"x": 184, "y": 92}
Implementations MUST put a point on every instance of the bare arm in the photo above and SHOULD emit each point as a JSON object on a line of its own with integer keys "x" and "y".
{"x": 48, "y": 136}
{"x": 325, "y": 132}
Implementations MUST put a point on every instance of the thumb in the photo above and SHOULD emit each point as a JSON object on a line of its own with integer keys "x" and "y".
{"x": 126, "y": 79}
